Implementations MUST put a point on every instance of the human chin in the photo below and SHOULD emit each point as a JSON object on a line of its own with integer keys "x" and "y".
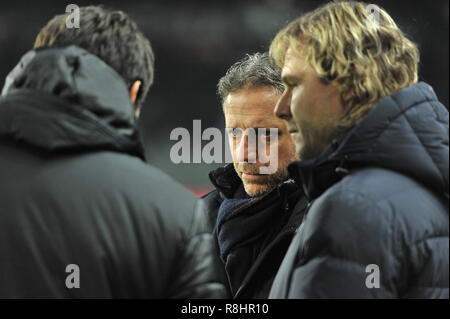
{"x": 256, "y": 189}
{"x": 299, "y": 146}
{"x": 298, "y": 142}
{"x": 298, "y": 149}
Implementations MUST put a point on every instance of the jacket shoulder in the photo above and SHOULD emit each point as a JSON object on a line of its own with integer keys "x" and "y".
{"x": 209, "y": 205}
{"x": 380, "y": 202}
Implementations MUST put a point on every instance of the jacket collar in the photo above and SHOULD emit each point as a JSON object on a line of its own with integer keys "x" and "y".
{"x": 406, "y": 132}
{"x": 225, "y": 180}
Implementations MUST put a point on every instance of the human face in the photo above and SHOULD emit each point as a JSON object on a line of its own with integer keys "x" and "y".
{"x": 253, "y": 108}
{"x": 311, "y": 108}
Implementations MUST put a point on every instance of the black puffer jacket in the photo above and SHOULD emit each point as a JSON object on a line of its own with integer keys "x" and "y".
{"x": 251, "y": 234}
{"x": 74, "y": 189}
{"x": 379, "y": 208}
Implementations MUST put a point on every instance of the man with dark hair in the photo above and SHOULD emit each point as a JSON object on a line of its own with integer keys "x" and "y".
{"x": 375, "y": 159}
{"x": 252, "y": 212}
{"x": 81, "y": 213}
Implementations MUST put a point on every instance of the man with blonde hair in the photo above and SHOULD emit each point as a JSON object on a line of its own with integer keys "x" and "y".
{"x": 375, "y": 157}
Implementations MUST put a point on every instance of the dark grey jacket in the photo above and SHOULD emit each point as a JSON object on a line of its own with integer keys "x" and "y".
{"x": 254, "y": 236}
{"x": 378, "y": 196}
{"x": 74, "y": 189}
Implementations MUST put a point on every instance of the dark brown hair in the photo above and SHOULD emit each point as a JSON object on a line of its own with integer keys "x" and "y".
{"x": 111, "y": 36}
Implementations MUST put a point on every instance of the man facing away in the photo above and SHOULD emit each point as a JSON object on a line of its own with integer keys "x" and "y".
{"x": 374, "y": 150}
{"x": 252, "y": 211}
{"x": 81, "y": 213}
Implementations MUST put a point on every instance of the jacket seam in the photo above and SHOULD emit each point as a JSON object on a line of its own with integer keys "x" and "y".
{"x": 427, "y": 238}
{"x": 401, "y": 113}
{"x": 417, "y": 136}
{"x": 395, "y": 251}
{"x": 350, "y": 261}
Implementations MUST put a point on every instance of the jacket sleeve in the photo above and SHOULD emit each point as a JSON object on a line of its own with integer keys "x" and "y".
{"x": 200, "y": 273}
{"x": 344, "y": 249}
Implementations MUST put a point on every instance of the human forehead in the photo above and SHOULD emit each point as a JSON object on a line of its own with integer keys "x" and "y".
{"x": 295, "y": 63}
{"x": 252, "y": 107}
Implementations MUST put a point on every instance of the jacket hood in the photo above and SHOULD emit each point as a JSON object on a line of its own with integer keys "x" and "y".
{"x": 406, "y": 132}
{"x": 66, "y": 98}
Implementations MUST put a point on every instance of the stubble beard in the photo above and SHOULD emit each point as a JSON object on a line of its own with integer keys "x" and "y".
{"x": 269, "y": 182}
{"x": 315, "y": 141}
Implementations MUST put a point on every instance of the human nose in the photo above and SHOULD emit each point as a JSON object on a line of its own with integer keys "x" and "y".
{"x": 247, "y": 148}
{"x": 283, "y": 107}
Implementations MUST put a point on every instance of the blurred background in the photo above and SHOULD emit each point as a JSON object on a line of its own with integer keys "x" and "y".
{"x": 196, "y": 41}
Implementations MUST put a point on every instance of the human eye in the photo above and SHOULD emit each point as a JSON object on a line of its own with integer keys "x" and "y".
{"x": 269, "y": 132}
{"x": 291, "y": 82}
{"x": 288, "y": 85}
{"x": 235, "y": 132}
{"x": 291, "y": 85}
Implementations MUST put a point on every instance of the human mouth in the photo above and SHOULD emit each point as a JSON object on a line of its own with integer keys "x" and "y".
{"x": 250, "y": 176}
{"x": 295, "y": 135}
{"x": 292, "y": 129}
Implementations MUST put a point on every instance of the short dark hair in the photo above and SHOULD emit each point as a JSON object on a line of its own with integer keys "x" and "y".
{"x": 255, "y": 70}
{"x": 110, "y": 35}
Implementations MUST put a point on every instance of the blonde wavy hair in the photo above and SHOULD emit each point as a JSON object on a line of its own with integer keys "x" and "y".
{"x": 365, "y": 55}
